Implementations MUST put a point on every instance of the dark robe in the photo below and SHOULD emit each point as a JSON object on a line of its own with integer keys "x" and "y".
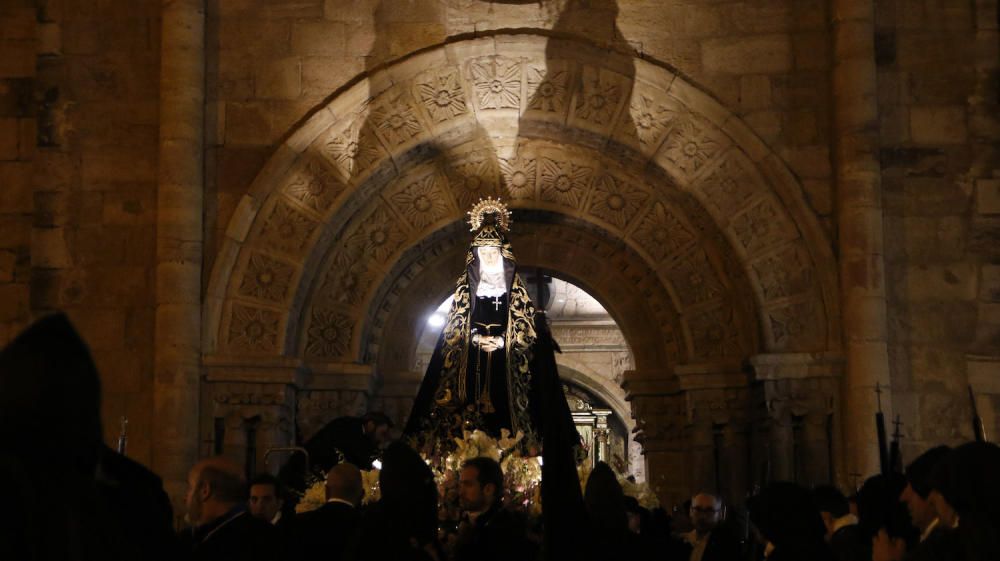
{"x": 68, "y": 496}
{"x": 497, "y": 534}
{"x": 342, "y": 439}
{"x": 486, "y": 372}
{"x": 234, "y": 536}
{"x": 324, "y": 533}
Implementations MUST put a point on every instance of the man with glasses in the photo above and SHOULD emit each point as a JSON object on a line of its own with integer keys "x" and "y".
{"x": 709, "y": 542}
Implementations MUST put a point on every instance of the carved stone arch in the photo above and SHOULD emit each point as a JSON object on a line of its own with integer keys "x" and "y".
{"x": 385, "y": 125}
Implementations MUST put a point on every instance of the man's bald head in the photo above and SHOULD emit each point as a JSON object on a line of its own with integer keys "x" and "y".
{"x": 343, "y": 482}
{"x": 215, "y": 485}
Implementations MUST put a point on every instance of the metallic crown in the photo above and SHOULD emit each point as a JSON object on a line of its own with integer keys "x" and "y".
{"x": 486, "y": 207}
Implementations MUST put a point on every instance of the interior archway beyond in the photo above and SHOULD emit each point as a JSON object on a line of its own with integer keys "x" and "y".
{"x": 624, "y": 178}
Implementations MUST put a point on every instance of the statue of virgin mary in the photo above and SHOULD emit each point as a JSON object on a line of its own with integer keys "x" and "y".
{"x": 479, "y": 376}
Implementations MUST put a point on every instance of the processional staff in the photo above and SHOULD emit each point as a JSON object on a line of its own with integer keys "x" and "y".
{"x": 883, "y": 449}
{"x": 123, "y": 436}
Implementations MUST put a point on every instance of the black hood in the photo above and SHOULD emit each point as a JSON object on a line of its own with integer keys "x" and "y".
{"x": 50, "y": 410}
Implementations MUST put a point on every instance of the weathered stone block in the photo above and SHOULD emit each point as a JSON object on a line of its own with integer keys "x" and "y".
{"x": 819, "y": 193}
{"x": 936, "y": 323}
{"x": 15, "y": 187}
{"x": 989, "y": 284}
{"x": 955, "y": 281}
{"x": 809, "y": 161}
{"x": 894, "y": 123}
{"x": 755, "y": 92}
{"x": 925, "y": 196}
{"x": 748, "y": 55}
{"x": 13, "y": 302}
{"x": 811, "y": 50}
{"x": 322, "y": 75}
{"x": 247, "y": 123}
{"x": 49, "y": 248}
{"x": 102, "y": 328}
{"x": 255, "y": 36}
{"x": 319, "y": 38}
{"x": 767, "y": 124}
{"x": 988, "y": 196}
{"x": 18, "y": 60}
{"x": 938, "y": 124}
{"x": 9, "y": 137}
{"x": 132, "y": 207}
{"x": 7, "y": 261}
{"x": 279, "y": 79}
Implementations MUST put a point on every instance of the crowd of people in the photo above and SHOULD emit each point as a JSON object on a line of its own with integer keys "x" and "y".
{"x": 72, "y": 497}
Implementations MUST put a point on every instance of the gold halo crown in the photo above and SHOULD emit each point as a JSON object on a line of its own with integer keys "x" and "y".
{"x": 489, "y": 218}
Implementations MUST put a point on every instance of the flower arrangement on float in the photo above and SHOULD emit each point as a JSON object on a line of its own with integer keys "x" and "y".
{"x": 522, "y": 477}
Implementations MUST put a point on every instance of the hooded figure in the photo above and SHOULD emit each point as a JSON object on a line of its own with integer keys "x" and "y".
{"x": 479, "y": 376}
{"x": 73, "y": 497}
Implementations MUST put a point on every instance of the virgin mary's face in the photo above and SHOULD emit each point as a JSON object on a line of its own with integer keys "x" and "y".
{"x": 489, "y": 256}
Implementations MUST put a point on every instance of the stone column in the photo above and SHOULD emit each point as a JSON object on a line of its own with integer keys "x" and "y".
{"x": 179, "y": 241}
{"x": 859, "y": 227}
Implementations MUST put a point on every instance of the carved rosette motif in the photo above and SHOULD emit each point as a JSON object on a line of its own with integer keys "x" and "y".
{"x": 565, "y": 182}
{"x": 712, "y": 333}
{"x": 548, "y": 89}
{"x": 253, "y": 329}
{"x": 395, "y": 119}
{"x": 442, "y": 95}
{"x": 354, "y": 149}
{"x": 422, "y": 202}
{"x": 314, "y": 187}
{"x": 616, "y": 201}
{"x": 329, "y": 334}
{"x": 497, "y": 82}
{"x": 646, "y": 123}
{"x": 786, "y": 273}
{"x": 378, "y": 236}
{"x": 266, "y": 278}
{"x": 519, "y": 176}
{"x": 794, "y": 326}
{"x": 346, "y": 279}
{"x": 690, "y": 146}
{"x": 661, "y": 233}
{"x": 474, "y": 178}
{"x": 598, "y": 98}
{"x": 694, "y": 279}
{"x": 762, "y": 225}
{"x": 729, "y": 187}
{"x": 287, "y": 229}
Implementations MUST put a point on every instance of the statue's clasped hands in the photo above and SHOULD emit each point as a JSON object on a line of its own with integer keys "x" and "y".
{"x": 488, "y": 343}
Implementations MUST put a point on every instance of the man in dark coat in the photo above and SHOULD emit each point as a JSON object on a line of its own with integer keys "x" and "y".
{"x": 324, "y": 533}
{"x": 490, "y": 532}
{"x": 842, "y": 530}
{"x": 709, "y": 540}
{"x": 217, "y": 508}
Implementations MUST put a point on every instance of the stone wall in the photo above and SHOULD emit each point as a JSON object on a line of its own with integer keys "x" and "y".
{"x": 78, "y": 137}
{"x": 17, "y": 148}
{"x": 937, "y": 99}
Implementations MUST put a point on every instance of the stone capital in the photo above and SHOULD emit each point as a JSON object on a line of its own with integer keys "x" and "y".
{"x": 714, "y": 375}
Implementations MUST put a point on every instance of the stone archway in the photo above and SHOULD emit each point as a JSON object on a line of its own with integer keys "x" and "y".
{"x": 623, "y": 176}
